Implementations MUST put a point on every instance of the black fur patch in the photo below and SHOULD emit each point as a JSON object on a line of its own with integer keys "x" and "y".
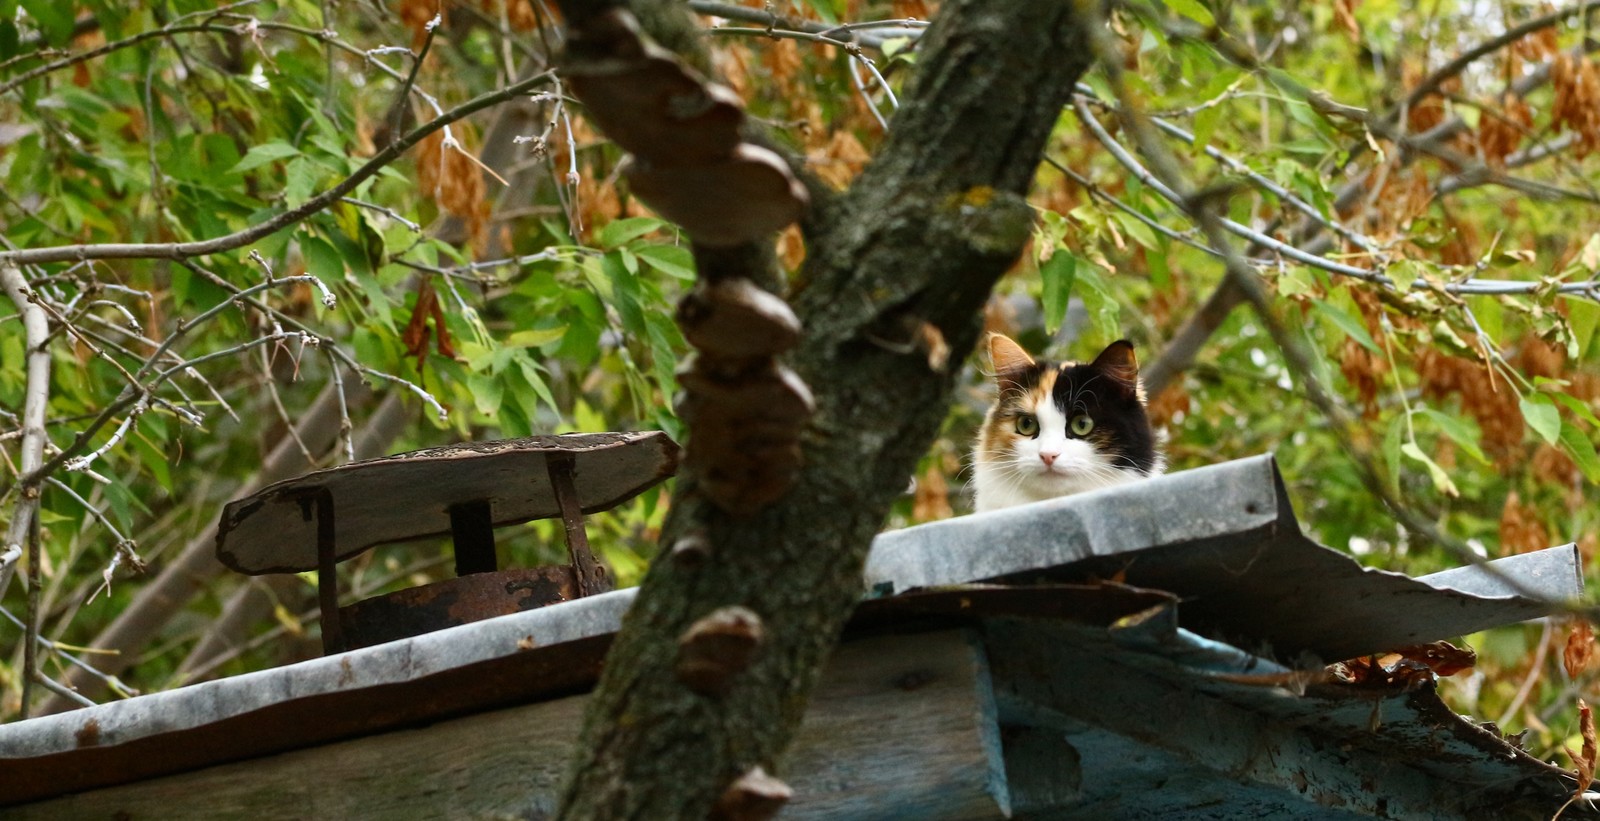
{"x": 1121, "y": 427}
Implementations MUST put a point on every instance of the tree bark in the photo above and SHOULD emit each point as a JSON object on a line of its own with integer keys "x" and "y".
{"x": 897, "y": 266}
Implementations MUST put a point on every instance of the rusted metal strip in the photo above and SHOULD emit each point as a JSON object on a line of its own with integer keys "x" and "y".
{"x": 450, "y": 602}
{"x": 591, "y": 577}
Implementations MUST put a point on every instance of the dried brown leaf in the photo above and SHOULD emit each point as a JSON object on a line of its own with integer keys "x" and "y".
{"x": 1344, "y": 13}
{"x": 1583, "y": 762}
{"x": 1442, "y": 657}
{"x": 1579, "y": 651}
{"x": 931, "y": 502}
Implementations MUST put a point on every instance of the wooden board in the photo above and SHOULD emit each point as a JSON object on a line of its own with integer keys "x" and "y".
{"x": 901, "y": 727}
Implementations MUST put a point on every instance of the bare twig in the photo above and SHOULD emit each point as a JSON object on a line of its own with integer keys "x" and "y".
{"x": 1535, "y": 672}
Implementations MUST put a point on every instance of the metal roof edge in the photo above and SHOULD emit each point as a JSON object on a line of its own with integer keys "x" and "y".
{"x": 1554, "y": 574}
{"x": 184, "y": 708}
{"x": 1234, "y": 497}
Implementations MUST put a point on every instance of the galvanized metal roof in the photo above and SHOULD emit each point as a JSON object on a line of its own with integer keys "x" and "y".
{"x": 1224, "y": 538}
{"x": 1218, "y": 600}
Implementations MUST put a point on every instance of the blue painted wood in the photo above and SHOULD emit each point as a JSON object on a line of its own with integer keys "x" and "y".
{"x": 1173, "y": 728}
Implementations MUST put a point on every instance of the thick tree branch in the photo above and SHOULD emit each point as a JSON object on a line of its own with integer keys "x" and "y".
{"x": 912, "y": 250}
{"x": 35, "y": 401}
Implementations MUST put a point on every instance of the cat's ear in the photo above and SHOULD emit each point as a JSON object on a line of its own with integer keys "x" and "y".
{"x": 1118, "y": 362}
{"x": 1006, "y": 355}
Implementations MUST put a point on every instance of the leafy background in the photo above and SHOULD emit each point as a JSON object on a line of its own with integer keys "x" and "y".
{"x": 499, "y": 280}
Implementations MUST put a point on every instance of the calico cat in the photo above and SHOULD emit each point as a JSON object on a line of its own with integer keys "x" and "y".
{"x": 1062, "y": 428}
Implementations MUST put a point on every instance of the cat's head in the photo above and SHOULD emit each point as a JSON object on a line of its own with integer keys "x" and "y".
{"x": 1059, "y": 428}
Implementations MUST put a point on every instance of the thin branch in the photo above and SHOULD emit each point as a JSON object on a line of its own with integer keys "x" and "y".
{"x": 117, "y": 686}
{"x": 385, "y": 210}
{"x": 1454, "y": 67}
{"x": 1535, "y": 672}
{"x": 869, "y": 34}
{"x": 138, "y": 393}
{"x": 1362, "y": 241}
{"x": 1585, "y": 288}
{"x": 183, "y": 250}
{"x": 1203, "y": 209}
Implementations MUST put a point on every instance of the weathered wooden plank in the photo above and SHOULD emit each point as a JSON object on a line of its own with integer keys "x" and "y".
{"x": 901, "y": 727}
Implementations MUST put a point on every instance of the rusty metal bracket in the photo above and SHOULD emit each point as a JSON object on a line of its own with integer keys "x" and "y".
{"x": 472, "y": 530}
{"x": 327, "y": 572}
{"x": 591, "y": 576}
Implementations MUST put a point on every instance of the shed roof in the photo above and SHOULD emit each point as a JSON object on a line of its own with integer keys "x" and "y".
{"x": 1164, "y": 688}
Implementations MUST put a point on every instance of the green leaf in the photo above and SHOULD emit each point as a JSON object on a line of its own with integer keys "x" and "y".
{"x": 624, "y": 292}
{"x": 1579, "y": 408}
{"x": 487, "y": 392}
{"x": 535, "y": 337}
{"x": 1135, "y": 228}
{"x": 1581, "y": 448}
{"x": 1102, "y": 307}
{"x": 1057, "y": 273}
{"x": 1490, "y": 314}
{"x": 672, "y": 260}
{"x": 620, "y": 231}
{"x": 1348, "y": 323}
{"x": 1295, "y": 281}
{"x": 1206, "y": 121}
{"x": 1582, "y": 315}
{"x": 10, "y": 39}
{"x": 1441, "y": 480}
{"x": 1543, "y": 417}
{"x": 300, "y": 181}
{"x": 1193, "y": 10}
{"x": 1160, "y": 272}
{"x": 1458, "y": 430}
{"x": 530, "y": 372}
{"x": 322, "y": 260}
{"x": 54, "y": 19}
{"x": 262, "y": 154}
{"x": 1391, "y": 449}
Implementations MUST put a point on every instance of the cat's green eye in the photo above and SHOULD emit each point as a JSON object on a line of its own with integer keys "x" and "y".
{"x": 1027, "y": 425}
{"x": 1081, "y": 425}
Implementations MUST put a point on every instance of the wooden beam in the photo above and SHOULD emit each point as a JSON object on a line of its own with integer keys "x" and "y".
{"x": 901, "y": 726}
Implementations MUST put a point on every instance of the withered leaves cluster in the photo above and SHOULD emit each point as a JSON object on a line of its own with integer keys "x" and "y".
{"x": 1406, "y": 667}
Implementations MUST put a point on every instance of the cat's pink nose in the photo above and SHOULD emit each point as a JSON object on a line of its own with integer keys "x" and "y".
{"x": 1048, "y": 458}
